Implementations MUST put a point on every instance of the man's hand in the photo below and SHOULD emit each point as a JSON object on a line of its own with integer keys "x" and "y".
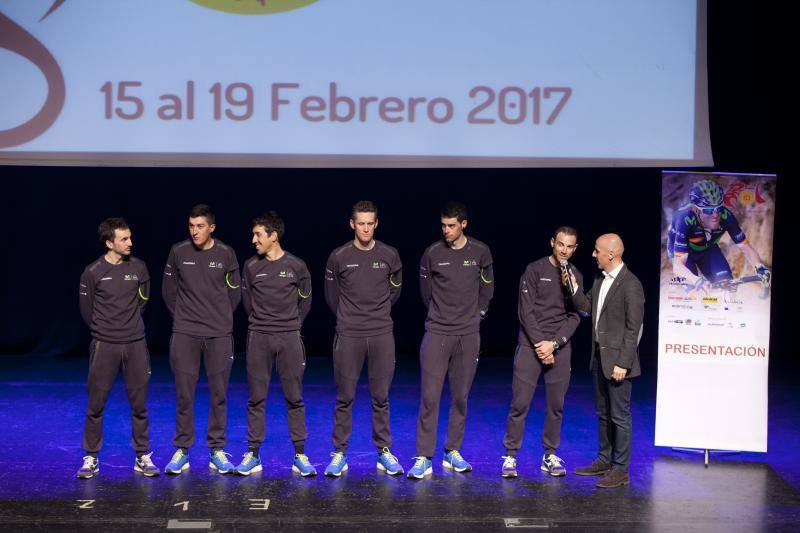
{"x": 549, "y": 360}
{"x": 619, "y": 373}
{"x": 544, "y": 349}
{"x": 571, "y": 275}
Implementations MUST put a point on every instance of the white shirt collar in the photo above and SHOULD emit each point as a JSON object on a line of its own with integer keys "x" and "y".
{"x": 614, "y": 273}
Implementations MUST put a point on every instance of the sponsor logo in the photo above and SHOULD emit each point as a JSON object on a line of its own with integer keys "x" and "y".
{"x": 545, "y": 279}
{"x": 681, "y": 298}
{"x": 131, "y": 277}
{"x": 698, "y": 323}
{"x": 682, "y": 306}
{"x": 354, "y": 265}
{"x": 744, "y": 194}
{"x": 379, "y": 264}
{"x": 261, "y": 275}
{"x": 677, "y": 321}
{"x": 188, "y": 262}
{"x": 470, "y": 262}
{"x": 447, "y": 263}
{"x": 215, "y": 264}
{"x": 710, "y": 300}
{"x": 716, "y": 324}
{"x": 106, "y": 279}
{"x": 286, "y": 274}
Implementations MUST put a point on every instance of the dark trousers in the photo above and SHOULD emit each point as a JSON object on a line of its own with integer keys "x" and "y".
{"x": 105, "y": 361}
{"x": 613, "y": 406}
{"x": 349, "y": 354}
{"x": 184, "y": 357}
{"x": 285, "y": 351}
{"x": 527, "y": 369}
{"x": 457, "y": 357}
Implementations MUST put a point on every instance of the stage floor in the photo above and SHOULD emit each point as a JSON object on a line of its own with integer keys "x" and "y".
{"x": 43, "y": 404}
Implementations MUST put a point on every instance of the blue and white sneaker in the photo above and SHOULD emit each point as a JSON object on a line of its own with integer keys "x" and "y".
{"x": 250, "y": 465}
{"x": 90, "y": 467}
{"x": 553, "y": 465}
{"x": 454, "y": 461}
{"x": 218, "y": 462}
{"x": 178, "y": 463}
{"x": 388, "y": 463}
{"x": 509, "y": 466}
{"x": 422, "y": 467}
{"x": 144, "y": 464}
{"x": 337, "y": 466}
{"x": 302, "y": 466}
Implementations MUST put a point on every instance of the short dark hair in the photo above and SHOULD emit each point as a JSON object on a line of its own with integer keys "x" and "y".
{"x": 202, "y": 210}
{"x": 107, "y": 228}
{"x": 271, "y": 221}
{"x": 566, "y": 230}
{"x": 455, "y": 210}
{"x": 364, "y": 206}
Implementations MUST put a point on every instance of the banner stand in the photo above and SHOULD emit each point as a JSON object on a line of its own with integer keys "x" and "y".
{"x": 706, "y": 452}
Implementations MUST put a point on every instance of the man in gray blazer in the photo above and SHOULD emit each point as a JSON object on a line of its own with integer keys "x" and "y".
{"x": 616, "y": 305}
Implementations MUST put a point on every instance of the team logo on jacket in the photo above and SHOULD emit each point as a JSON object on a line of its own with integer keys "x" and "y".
{"x": 286, "y": 274}
{"x": 379, "y": 264}
{"x": 215, "y": 264}
{"x": 131, "y": 277}
{"x": 470, "y": 262}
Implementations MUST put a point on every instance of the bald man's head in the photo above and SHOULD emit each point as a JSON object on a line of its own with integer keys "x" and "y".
{"x": 608, "y": 250}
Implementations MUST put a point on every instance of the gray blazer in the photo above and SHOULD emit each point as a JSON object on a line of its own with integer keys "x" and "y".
{"x": 619, "y": 326}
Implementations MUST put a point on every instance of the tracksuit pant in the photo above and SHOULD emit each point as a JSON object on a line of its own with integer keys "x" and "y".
{"x": 285, "y": 351}
{"x": 185, "y": 352}
{"x": 457, "y": 357}
{"x": 349, "y": 354}
{"x": 105, "y": 361}
{"x": 527, "y": 369}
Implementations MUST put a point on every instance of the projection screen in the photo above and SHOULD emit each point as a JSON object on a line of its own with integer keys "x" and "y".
{"x": 353, "y": 83}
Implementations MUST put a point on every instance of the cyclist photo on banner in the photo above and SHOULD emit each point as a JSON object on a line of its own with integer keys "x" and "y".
{"x": 695, "y": 231}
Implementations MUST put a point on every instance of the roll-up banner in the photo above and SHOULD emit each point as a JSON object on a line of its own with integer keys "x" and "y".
{"x": 714, "y": 316}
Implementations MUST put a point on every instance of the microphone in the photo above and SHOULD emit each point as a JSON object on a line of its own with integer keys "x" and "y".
{"x": 565, "y": 268}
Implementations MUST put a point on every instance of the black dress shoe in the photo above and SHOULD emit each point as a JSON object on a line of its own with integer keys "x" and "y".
{"x": 614, "y": 478}
{"x": 597, "y": 468}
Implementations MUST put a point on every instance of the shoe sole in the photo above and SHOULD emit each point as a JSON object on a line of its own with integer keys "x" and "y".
{"x": 427, "y": 472}
{"x": 459, "y": 470}
{"x": 601, "y": 473}
{"x": 175, "y": 472}
{"x": 146, "y": 474}
{"x": 216, "y": 469}
{"x": 333, "y": 474}
{"x": 615, "y": 485}
{"x": 545, "y": 469}
{"x": 382, "y": 468}
{"x": 509, "y": 475}
{"x": 253, "y": 470}
{"x": 89, "y": 476}
{"x": 304, "y": 474}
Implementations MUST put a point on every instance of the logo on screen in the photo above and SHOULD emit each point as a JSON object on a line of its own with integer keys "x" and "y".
{"x": 18, "y": 40}
{"x": 254, "y": 7}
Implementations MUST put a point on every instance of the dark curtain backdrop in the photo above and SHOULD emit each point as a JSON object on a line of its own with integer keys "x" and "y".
{"x": 49, "y": 215}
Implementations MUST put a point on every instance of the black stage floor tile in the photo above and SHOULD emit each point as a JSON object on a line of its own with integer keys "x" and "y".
{"x": 42, "y": 403}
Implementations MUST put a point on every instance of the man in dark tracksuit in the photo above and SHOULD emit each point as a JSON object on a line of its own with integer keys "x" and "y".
{"x": 362, "y": 281}
{"x": 547, "y": 322}
{"x": 457, "y": 285}
{"x": 113, "y": 292}
{"x": 276, "y": 293}
{"x": 201, "y": 290}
